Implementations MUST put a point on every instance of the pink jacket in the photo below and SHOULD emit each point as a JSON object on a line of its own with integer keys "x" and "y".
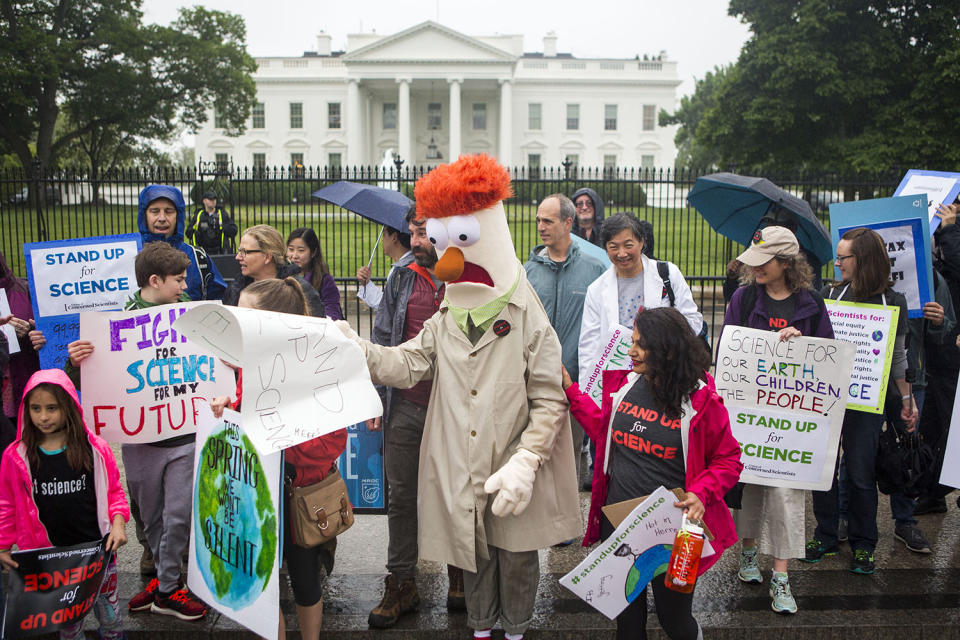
{"x": 712, "y": 456}
{"x": 19, "y": 518}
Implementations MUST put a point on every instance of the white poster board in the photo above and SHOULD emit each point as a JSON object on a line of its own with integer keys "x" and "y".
{"x": 145, "y": 381}
{"x": 786, "y": 401}
{"x": 950, "y": 474}
{"x": 12, "y": 342}
{"x": 301, "y": 377}
{"x": 938, "y": 186}
{"x": 613, "y": 356}
{"x": 872, "y": 328}
{"x": 235, "y": 543}
{"x": 620, "y": 567}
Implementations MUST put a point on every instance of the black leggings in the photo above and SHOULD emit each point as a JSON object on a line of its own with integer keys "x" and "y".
{"x": 307, "y": 567}
{"x": 674, "y": 609}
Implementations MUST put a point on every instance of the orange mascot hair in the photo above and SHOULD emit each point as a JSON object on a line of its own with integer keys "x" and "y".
{"x": 472, "y": 183}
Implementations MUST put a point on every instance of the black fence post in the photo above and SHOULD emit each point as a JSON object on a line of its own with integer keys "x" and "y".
{"x": 39, "y": 193}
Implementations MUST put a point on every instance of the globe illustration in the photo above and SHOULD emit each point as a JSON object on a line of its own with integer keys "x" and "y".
{"x": 235, "y": 522}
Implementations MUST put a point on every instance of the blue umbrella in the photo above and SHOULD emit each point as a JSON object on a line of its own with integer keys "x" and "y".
{"x": 733, "y": 205}
{"x": 385, "y": 206}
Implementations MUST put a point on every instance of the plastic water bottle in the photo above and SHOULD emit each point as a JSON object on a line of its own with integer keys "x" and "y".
{"x": 685, "y": 560}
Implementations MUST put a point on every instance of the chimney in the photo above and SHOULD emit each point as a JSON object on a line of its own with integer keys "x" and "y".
{"x": 550, "y": 45}
{"x": 323, "y": 44}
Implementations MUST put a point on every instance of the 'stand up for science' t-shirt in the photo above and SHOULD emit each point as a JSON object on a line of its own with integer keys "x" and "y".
{"x": 646, "y": 450}
{"x": 66, "y": 500}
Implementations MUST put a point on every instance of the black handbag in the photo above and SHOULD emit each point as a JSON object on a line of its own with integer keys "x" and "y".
{"x": 904, "y": 463}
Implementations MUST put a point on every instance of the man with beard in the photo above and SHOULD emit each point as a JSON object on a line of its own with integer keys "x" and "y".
{"x": 411, "y": 295}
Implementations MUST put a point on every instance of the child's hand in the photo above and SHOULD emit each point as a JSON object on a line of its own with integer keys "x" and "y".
{"x": 218, "y": 405}
{"x": 692, "y": 505}
{"x": 37, "y": 339}
{"x": 79, "y": 350}
{"x": 7, "y": 560}
{"x": 118, "y": 533}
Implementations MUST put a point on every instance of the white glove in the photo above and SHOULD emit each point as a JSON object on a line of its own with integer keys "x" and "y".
{"x": 347, "y": 331}
{"x": 514, "y": 483}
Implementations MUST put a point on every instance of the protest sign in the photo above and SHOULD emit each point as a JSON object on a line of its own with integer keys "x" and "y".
{"x": 302, "y": 377}
{"x": 235, "y": 546}
{"x": 621, "y": 567}
{"x": 53, "y": 587}
{"x": 361, "y": 467}
{"x": 940, "y": 188}
{"x": 902, "y": 223}
{"x": 786, "y": 401}
{"x": 872, "y": 328}
{"x": 950, "y": 474}
{"x": 144, "y": 381}
{"x": 613, "y": 356}
{"x": 70, "y": 276}
{"x": 12, "y": 342}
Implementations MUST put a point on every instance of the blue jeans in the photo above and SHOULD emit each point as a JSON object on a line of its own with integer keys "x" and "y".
{"x": 860, "y": 438}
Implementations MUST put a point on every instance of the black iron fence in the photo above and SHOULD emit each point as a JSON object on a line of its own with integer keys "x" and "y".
{"x": 38, "y": 204}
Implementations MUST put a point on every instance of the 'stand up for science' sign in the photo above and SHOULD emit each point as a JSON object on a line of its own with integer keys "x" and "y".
{"x": 613, "y": 356}
{"x": 145, "y": 380}
{"x": 786, "y": 401}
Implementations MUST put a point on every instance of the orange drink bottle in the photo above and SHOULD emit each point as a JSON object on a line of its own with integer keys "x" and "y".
{"x": 685, "y": 560}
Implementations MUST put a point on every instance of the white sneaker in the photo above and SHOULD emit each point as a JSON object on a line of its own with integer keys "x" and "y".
{"x": 749, "y": 571}
{"x": 783, "y": 601}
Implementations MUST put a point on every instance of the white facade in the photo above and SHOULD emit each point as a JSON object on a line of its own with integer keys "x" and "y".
{"x": 431, "y": 93}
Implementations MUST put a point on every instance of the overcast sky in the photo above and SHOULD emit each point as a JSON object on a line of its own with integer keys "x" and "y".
{"x": 698, "y": 34}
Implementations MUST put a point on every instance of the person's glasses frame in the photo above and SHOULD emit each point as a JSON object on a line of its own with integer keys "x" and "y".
{"x": 243, "y": 252}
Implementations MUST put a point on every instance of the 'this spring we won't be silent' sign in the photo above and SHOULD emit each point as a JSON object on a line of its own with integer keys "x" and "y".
{"x": 786, "y": 400}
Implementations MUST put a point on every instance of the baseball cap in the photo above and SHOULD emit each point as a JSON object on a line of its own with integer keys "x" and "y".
{"x": 768, "y": 243}
{"x": 210, "y": 194}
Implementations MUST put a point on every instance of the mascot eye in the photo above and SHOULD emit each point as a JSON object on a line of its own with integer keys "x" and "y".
{"x": 464, "y": 230}
{"x": 437, "y": 234}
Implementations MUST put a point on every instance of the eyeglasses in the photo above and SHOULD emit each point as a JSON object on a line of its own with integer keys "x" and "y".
{"x": 243, "y": 252}
{"x": 842, "y": 258}
{"x": 584, "y": 205}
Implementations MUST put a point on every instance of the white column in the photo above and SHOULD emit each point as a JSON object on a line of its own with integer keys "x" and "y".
{"x": 403, "y": 122}
{"x": 506, "y": 123}
{"x": 455, "y": 121}
{"x": 354, "y": 124}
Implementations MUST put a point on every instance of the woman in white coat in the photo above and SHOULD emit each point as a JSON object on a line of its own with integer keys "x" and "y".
{"x": 631, "y": 282}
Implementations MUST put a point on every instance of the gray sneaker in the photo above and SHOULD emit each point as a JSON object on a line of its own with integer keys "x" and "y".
{"x": 910, "y": 535}
{"x": 749, "y": 571}
{"x": 782, "y": 599}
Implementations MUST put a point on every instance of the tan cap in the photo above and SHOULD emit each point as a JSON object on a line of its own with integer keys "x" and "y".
{"x": 768, "y": 243}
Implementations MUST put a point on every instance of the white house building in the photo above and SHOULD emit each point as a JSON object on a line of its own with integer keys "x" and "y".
{"x": 431, "y": 93}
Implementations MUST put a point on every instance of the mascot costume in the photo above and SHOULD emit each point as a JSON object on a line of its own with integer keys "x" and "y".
{"x": 496, "y": 478}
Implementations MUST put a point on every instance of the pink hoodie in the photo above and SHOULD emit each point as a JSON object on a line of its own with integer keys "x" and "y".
{"x": 712, "y": 458}
{"x": 19, "y": 519}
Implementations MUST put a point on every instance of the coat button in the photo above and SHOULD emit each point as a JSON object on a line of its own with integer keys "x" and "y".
{"x": 473, "y": 355}
{"x": 473, "y": 433}
{"x": 473, "y": 392}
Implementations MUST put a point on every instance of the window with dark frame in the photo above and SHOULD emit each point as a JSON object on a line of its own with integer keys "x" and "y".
{"x": 389, "y": 115}
{"x": 434, "y": 116}
{"x": 573, "y": 117}
{"x": 609, "y": 117}
{"x": 333, "y": 115}
{"x": 479, "y": 116}
{"x": 259, "y": 116}
{"x": 296, "y": 115}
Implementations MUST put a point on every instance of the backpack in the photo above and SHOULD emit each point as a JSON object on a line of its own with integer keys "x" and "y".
{"x": 750, "y": 301}
{"x": 202, "y": 260}
{"x": 664, "y": 272}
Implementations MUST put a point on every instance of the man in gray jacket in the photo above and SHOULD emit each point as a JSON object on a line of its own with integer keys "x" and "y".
{"x": 560, "y": 274}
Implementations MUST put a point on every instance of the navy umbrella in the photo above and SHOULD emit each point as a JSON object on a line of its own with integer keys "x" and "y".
{"x": 733, "y": 205}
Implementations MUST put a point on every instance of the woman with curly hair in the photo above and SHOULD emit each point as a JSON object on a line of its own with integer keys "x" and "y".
{"x": 775, "y": 296}
{"x": 661, "y": 424}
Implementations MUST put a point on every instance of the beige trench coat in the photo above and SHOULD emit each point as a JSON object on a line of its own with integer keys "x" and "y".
{"x": 486, "y": 401}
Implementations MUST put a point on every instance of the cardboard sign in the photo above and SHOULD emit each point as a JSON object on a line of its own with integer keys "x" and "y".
{"x": 302, "y": 377}
{"x": 620, "y": 567}
{"x": 145, "y": 381}
{"x": 950, "y": 474}
{"x": 940, "y": 188}
{"x": 53, "y": 587}
{"x": 361, "y": 467}
{"x": 786, "y": 401}
{"x": 903, "y": 225}
{"x": 13, "y": 343}
{"x": 70, "y": 276}
{"x": 613, "y": 356}
{"x": 235, "y": 547}
{"x": 872, "y": 328}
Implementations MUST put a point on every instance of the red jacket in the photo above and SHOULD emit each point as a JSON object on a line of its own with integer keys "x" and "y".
{"x": 312, "y": 459}
{"x": 712, "y": 457}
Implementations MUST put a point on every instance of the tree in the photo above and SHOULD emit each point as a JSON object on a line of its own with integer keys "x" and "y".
{"x": 691, "y": 152}
{"x": 838, "y": 85}
{"x": 95, "y": 62}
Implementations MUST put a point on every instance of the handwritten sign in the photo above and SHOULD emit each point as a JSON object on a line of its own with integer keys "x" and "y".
{"x": 70, "y": 276}
{"x": 613, "y": 356}
{"x": 903, "y": 225}
{"x": 786, "y": 401}
{"x": 235, "y": 548}
{"x": 361, "y": 467}
{"x": 145, "y": 381}
{"x": 11, "y": 333}
{"x": 302, "y": 379}
{"x": 940, "y": 188}
{"x": 620, "y": 567}
{"x": 872, "y": 329}
{"x": 53, "y": 587}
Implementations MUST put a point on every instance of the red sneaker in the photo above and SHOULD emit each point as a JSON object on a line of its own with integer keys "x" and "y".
{"x": 179, "y": 604}
{"x": 144, "y": 600}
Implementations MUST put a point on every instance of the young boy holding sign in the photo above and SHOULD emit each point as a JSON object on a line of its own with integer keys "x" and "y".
{"x": 159, "y": 474}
